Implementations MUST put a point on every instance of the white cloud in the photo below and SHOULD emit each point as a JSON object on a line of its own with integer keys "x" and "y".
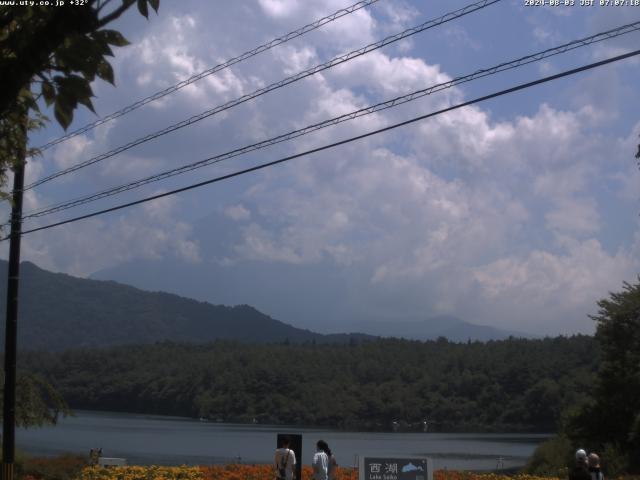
{"x": 73, "y": 151}
{"x": 152, "y": 232}
{"x": 347, "y": 32}
{"x": 237, "y": 212}
{"x": 388, "y": 75}
{"x": 172, "y": 52}
{"x": 260, "y": 244}
{"x": 408, "y": 224}
{"x": 574, "y": 216}
{"x": 296, "y": 59}
{"x": 566, "y": 181}
{"x": 628, "y": 180}
{"x": 459, "y": 37}
{"x": 280, "y": 8}
{"x": 543, "y": 35}
{"x": 161, "y": 209}
{"x": 558, "y": 289}
{"x": 400, "y": 15}
{"x": 351, "y": 31}
{"x": 571, "y": 211}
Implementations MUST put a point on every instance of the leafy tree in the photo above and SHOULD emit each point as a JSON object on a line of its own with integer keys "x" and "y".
{"x": 552, "y": 458}
{"x": 37, "y": 402}
{"x": 58, "y": 52}
{"x": 14, "y": 125}
{"x": 61, "y": 51}
{"x": 612, "y": 420}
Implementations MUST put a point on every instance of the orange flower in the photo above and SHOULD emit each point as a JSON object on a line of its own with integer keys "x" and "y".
{"x": 263, "y": 472}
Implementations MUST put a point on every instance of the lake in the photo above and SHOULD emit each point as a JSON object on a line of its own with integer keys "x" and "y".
{"x": 150, "y": 439}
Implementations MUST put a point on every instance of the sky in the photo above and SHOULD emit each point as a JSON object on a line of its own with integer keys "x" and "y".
{"x": 520, "y": 212}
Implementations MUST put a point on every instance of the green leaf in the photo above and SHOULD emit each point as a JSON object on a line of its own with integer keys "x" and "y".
{"x": 155, "y": 4}
{"x": 72, "y": 89}
{"x": 113, "y": 37}
{"x": 100, "y": 45}
{"x": 63, "y": 113}
{"x": 48, "y": 92}
{"x": 105, "y": 72}
{"x": 73, "y": 86}
{"x": 87, "y": 103}
{"x": 81, "y": 53}
{"x": 142, "y": 6}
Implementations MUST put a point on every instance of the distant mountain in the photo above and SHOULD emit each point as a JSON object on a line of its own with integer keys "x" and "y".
{"x": 314, "y": 296}
{"x": 58, "y": 311}
{"x": 452, "y": 328}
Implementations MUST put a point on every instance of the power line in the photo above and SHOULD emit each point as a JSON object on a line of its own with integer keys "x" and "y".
{"x": 615, "y": 32}
{"x": 194, "y": 78}
{"x": 341, "y": 142}
{"x": 274, "y": 86}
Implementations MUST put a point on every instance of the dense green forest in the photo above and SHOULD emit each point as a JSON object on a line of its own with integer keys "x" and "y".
{"x": 510, "y": 385}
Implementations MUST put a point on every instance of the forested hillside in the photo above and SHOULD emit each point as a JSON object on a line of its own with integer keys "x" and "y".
{"x": 58, "y": 312}
{"x": 511, "y": 385}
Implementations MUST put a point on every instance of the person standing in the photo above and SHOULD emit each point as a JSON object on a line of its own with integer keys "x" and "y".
{"x": 285, "y": 460}
{"x": 594, "y": 467}
{"x": 580, "y": 470}
{"x": 320, "y": 462}
{"x": 331, "y": 470}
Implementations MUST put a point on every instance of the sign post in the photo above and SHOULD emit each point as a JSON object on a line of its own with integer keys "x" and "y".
{"x": 394, "y": 468}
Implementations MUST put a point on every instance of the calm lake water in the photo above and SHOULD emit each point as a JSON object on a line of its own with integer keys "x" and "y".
{"x": 148, "y": 439}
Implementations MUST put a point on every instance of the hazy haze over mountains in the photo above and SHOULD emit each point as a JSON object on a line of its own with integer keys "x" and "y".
{"x": 324, "y": 297}
{"x": 58, "y": 311}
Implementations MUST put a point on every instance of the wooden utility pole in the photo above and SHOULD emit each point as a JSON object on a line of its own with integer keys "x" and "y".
{"x": 11, "y": 328}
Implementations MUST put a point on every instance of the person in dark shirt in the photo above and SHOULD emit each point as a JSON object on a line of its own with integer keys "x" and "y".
{"x": 594, "y": 467}
{"x": 580, "y": 471}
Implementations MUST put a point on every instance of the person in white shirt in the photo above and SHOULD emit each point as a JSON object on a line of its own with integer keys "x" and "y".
{"x": 285, "y": 460}
{"x": 320, "y": 462}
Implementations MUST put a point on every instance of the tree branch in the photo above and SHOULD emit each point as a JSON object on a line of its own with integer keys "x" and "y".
{"x": 101, "y": 5}
{"x": 116, "y": 13}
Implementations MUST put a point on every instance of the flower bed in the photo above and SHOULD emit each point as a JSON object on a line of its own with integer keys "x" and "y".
{"x": 263, "y": 472}
{"x": 250, "y": 472}
{"x": 153, "y": 472}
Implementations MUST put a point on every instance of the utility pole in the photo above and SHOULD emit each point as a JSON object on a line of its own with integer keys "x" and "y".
{"x": 11, "y": 328}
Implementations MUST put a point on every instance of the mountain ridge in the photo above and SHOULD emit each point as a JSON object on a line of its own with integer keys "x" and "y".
{"x": 447, "y": 326}
{"x": 292, "y": 294}
{"x": 59, "y": 311}
{"x": 98, "y": 313}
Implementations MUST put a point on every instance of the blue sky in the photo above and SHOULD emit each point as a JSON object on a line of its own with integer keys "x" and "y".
{"x": 520, "y": 212}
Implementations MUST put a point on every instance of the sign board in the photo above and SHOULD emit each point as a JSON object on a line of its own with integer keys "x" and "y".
{"x": 295, "y": 445}
{"x": 395, "y": 467}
